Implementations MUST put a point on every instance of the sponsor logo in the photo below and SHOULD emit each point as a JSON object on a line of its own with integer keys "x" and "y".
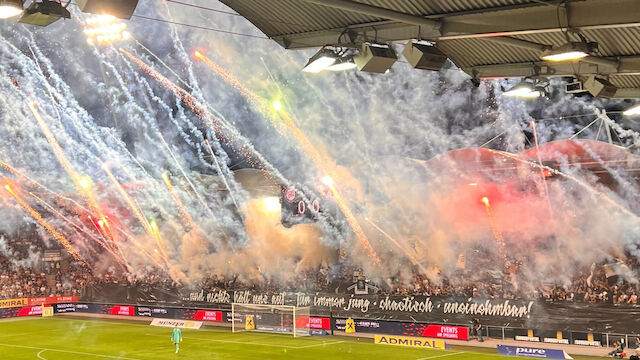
{"x": 587, "y": 343}
{"x": 556, "y": 341}
{"x": 529, "y": 352}
{"x": 63, "y": 308}
{"x": 9, "y": 303}
{"x": 208, "y": 315}
{"x": 528, "y": 338}
{"x": 53, "y": 300}
{"x": 447, "y": 332}
{"x": 123, "y": 310}
{"x": 30, "y": 310}
{"x": 185, "y": 324}
{"x": 416, "y": 342}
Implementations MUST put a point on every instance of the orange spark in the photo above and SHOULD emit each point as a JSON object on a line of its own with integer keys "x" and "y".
{"x": 36, "y": 216}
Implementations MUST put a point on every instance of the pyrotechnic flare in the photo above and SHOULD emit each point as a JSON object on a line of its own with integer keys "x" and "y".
{"x": 407, "y": 252}
{"x": 353, "y": 222}
{"x": 181, "y": 208}
{"x": 319, "y": 158}
{"x": 36, "y": 216}
{"x": 82, "y": 183}
{"x": 544, "y": 183}
{"x": 494, "y": 228}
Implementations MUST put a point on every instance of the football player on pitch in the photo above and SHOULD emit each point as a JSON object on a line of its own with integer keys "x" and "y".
{"x": 176, "y": 337}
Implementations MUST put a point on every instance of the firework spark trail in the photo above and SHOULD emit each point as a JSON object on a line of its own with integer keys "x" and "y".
{"x": 230, "y": 79}
{"x": 184, "y": 174}
{"x": 413, "y": 259}
{"x": 81, "y": 228}
{"x": 36, "y": 216}
{"x": 494, "y": 228}
{"x": 132, "y": 205}
{"x": 151, "y": 228}
{"x": 319, "y": 158}
{"x": 351, "y": 219}
{"x": 214, "y": 123}
{"x": 224, "y": 178}
{"x": 572, "y": 178}
{"x": 181, "y": 208}
{"x": 83, "y": 184}
{"x": 544, "y": 183}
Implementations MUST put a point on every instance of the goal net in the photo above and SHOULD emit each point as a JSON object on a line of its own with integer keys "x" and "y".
{"x": 270, "y": 318}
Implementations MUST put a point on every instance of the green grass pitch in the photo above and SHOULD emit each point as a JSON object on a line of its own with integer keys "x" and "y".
{"x": 70, "y": 338}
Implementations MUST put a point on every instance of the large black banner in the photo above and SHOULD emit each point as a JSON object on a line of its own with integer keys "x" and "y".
{"x": 581, "y": 317}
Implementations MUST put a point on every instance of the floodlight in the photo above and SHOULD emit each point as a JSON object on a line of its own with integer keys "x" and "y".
{"x": 600, "y": 87}
{"x": 423, "y": 56}
{"x": 11, "y": 8}
{"x": 122, "y": 9}
{"x": 375, "y": 58}
{"x": 320, "y": 61}
{"x": 567, "y": 52}
{"x": 632, "y": 111}
{"x": 343, "y": 63}
{"x": 525, "y": 89}
{"x": 44, "y": 13}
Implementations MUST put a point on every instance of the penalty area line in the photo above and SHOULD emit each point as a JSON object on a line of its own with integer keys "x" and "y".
{"x": 66, "y": 352}
{"x": 320, "y": 344}
{"x": 443, "y": 355}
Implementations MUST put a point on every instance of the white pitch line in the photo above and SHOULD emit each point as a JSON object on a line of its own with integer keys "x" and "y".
{"x": 40, "y": 354}
{"x": 443, "y": 355}
{"x": 68, "y": 352}
{"x": 320, "y": 344}
{"x": 255, "y": 343}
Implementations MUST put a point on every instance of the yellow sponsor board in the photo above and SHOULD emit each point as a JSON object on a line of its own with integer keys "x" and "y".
{"x": 9, "y": 303}
{"x": 416, "y": 342}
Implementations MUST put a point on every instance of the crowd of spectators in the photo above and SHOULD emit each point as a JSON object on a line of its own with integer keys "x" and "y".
{"x": 26, "y": 274}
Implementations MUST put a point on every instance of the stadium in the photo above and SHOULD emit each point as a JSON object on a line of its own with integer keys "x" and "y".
{"x": 319, "y": 179}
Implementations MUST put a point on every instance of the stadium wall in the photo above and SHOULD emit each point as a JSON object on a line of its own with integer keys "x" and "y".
{"x": 561, "y": 316}
{"x": 222, "y": 317}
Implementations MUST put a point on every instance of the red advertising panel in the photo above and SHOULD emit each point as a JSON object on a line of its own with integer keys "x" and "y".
{"x": 123, "y": 310}
{"x": 30, "y": 311}
{"x": 321, "y": 323}
{"x": 208, "y": 315}
{"x": 53, "y": 300}
{"x": 446, "y": 332}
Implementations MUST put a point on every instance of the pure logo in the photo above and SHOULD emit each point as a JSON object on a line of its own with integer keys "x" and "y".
{"x": 530, "y": 351}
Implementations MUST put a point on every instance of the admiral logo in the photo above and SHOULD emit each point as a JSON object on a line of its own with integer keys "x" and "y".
{"x": 409, "y": 342}
{"x": 13, "y": 303}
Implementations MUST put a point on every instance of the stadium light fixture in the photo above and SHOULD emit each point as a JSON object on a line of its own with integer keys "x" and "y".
{"x": 342, "y": 64}
{"x": 525, "y": 89}
{"x": 11, "y": 8}
{"x": 320, "y": 61}
{"x": 44, "y": 13}
{"x": 567, "y": 52}
{"x": 105, "y": 29}
{"x": 632, "y": 111}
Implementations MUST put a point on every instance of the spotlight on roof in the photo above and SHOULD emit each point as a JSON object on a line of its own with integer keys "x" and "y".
{"x": 376, "y": 58}
{"x": 527, "y": 90}
{"x": 11, "y": 8}
{"x": 569, "y": 51}
{"x": 632, "y": 111}
{"x": 320, "y": 61}
{"x": 424, "y": 56}
{"x": 600, "y": 87}
{"x": 342, "y": 64}
{"x": 122, "y": 9}
{"x": 44, "y": 13}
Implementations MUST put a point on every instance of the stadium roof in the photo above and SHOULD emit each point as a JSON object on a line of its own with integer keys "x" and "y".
{"x": 486, "y": 38}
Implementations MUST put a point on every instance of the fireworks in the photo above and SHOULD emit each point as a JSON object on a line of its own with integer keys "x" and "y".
{"x": 36, "y": 216}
